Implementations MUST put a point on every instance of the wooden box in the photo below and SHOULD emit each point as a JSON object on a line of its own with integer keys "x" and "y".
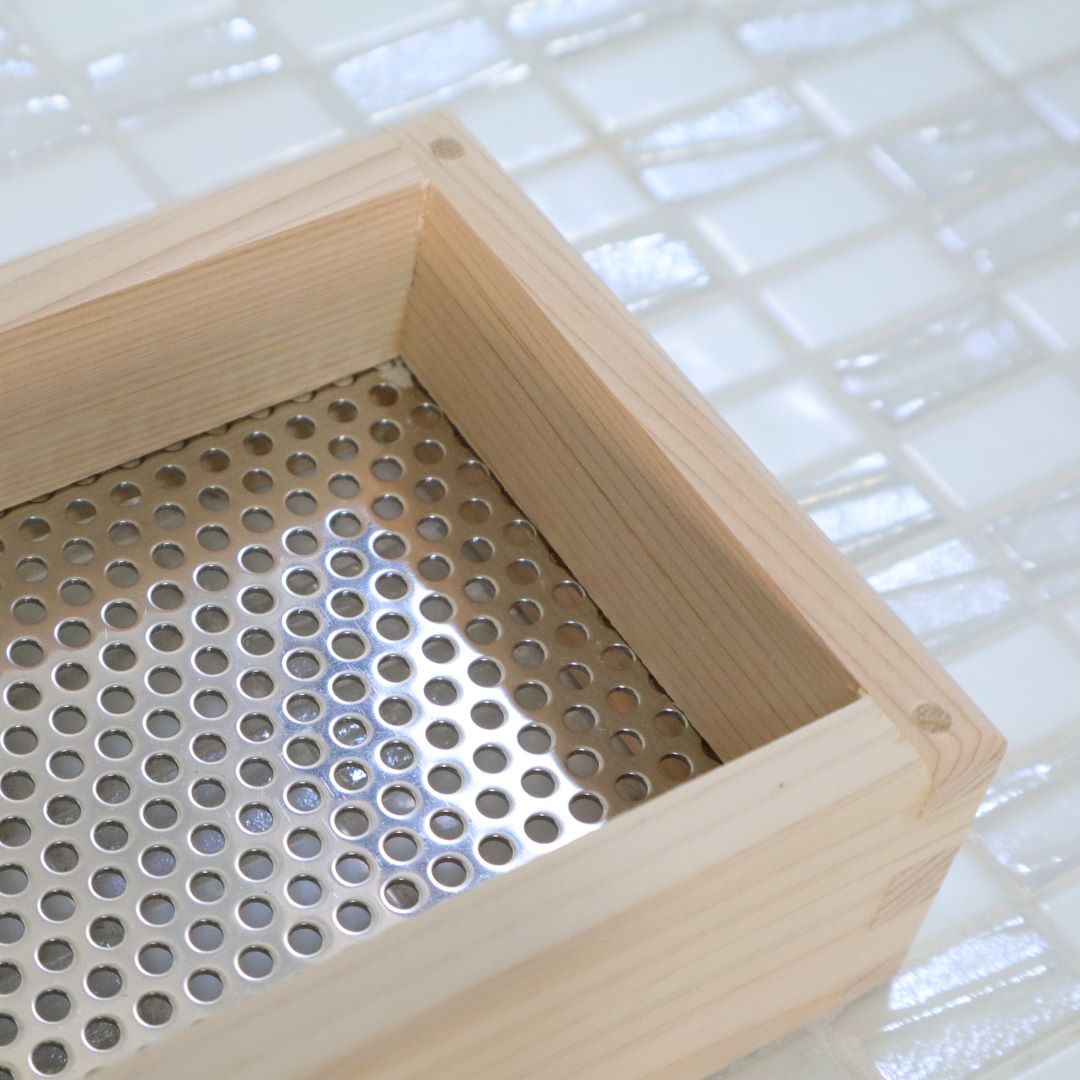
{"x": 687, "y": 931}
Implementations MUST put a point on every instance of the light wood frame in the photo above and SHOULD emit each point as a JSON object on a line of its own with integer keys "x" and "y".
{"x": 689, "y": 930}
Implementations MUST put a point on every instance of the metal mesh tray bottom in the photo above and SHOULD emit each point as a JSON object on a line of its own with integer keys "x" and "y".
{"x": 270, "y": 690}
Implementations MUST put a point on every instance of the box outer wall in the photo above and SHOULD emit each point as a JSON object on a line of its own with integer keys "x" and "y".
{"x": 688, "y": 932}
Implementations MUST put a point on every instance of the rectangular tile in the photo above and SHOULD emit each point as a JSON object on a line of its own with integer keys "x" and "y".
{"x": 494, "y": 117}
{"x": 1027, "y": 682}
{"x": 1036, "y": 216}
{"x": 854, "y": 291}
{"x": 1043, "y": 539}
{"x": 642, "y": 77}
{"x": 639, "y": 269}
{"x": 899, "y": 77}
{"x": 1047, "y": 298}
{"x": 74, "y": 29}
{"x": 565, "y": 25}
{"x": 325, "y": 28}
{"x": 1055, "y": 95}
{"x": 1061, "y": 906}
{"x": 799, "y": 1058}
{"x": 913, "y": 372}
{"x": 792, "y": 426}
{"x": 423, "y": 69}
{"x": 865, "y": 504}
{"x": 974, "y": 894}
{"x": 717, "y": 343}
{"x": 1013, "y": 820}
{"x": 227, "y": 137}
{"x": 996, "y": 448}
{"x": 945, "y": 592}
{"x": 135, "y": 80}
{"x": 35, "y": 111}
{"x": 781, "y": 28}
{"x": 978, "y": 1002}
{"x": 791, "y": 214}
{"x": 567, "y": 193}
{"x": 1015, "y": 35}
{"x": 1062, "y": 1063}
{"x": 969, "y": 146}
{"x": 719, "y": 149}
{"x": 43, "y": 205}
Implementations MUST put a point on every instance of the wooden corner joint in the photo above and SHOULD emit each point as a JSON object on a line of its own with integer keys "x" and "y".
{"x": 962, "y": 752}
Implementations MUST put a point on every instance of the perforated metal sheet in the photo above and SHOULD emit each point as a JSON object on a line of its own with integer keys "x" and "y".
{"x": 266, "y": 692}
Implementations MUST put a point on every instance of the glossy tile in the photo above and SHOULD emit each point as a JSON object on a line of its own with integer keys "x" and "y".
{"x": 1043, "y": 539}
{"x": 851, "y": 292}
{"x": 902, "y": 76}
{"x": 716, "y": 343}
{"x": 74, "y": 29}
{"x": 978, "y": 1003}
{"x": 1042, "y": 707}
{"x": 719, "y": 149}
{"x": 225, "y": 138}
{"x": 1047, "y": 299}
{"x": 810, "y": 27}
{"x": 973, "y": 896}
{"x": 644, "y": 76}
{"x": 1061, "y": 906}
{"x": 1030, "y": 821}
{"x": 494, "y": 117}
{"x": 42, "y": 204}
{"x": 639, "y": 269}
{"x": 791, "y": 214}
{"x": 936, "y": 362}
{"x": 971, "y": 146}
{"x": 426, "y": 68}
{"x": 1015, "y": 35}
{"x": 566, "y": 193}
{"x": 799, "y": 1057}
{"x": 866, "y": 504}
{"x": 945, "y": 592}
{"x": 566, "y": 25}
{"x": 1055, "y": 95}
{"x": 1064, "y": 1064}
{"x": 133, "y": 81}
{"x": 1004, "y": 443}
{"x": 791, "y": 426}
{"x": 325, "y": 28}
{"x": 35, "y": 112}
{"x": 1037, "y": 216}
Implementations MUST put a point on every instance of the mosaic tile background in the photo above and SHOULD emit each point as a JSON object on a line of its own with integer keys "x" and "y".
{"x": 852, "y": 222}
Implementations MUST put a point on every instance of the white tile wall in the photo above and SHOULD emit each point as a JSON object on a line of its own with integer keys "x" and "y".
{"x": 853, "y": 223}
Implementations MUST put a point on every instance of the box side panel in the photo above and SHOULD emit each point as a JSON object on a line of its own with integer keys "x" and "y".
{"x": 97, "y": 384}
{"x": 539, "y": 290}
{"x": 672, "y": 940}
{"x": 658, "y": 562}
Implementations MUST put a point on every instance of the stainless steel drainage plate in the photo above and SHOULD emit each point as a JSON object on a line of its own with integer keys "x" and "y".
{"x": 266, "y": 692}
